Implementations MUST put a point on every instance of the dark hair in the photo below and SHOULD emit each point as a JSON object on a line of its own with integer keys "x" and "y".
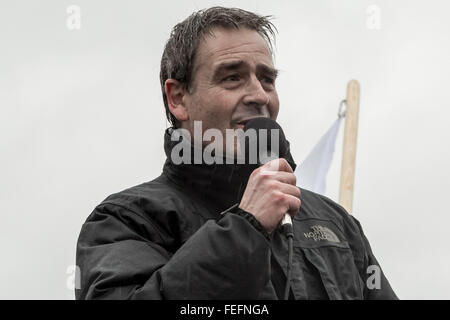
{"x": 179, "y": 53}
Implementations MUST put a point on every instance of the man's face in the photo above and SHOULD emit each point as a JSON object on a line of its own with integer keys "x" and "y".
{"x": 233, "y": 81}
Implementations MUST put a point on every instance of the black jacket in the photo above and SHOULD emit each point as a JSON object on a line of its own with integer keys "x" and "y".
{"x": 166, "y": 239}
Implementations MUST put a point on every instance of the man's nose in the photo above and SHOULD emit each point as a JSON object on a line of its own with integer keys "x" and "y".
{"x": 255, "y": 95}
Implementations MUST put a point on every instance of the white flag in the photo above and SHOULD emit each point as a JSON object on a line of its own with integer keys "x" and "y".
{"x": 312, "y": 172}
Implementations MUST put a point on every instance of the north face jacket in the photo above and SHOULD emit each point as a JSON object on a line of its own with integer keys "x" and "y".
{"x": 167, "y": 239}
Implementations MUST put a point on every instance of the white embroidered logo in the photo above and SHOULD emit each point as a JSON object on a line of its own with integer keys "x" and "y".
{"x": 319, "y": 233}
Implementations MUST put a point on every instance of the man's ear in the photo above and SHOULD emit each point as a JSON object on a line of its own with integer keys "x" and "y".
{"x": 175, "y": 92}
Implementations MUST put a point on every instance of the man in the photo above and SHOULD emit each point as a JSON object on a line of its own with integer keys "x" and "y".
{"x": 167, "y": 238}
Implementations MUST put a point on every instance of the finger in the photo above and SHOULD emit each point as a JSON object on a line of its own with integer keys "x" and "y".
{"x": 277, "y": 165}
{"x": 294, "y": 205}
{"x": 289, "y": 189}
{"x": 286, "y": 177}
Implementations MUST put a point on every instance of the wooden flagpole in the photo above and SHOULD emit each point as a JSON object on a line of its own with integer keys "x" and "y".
{"x": 349, "y": 151}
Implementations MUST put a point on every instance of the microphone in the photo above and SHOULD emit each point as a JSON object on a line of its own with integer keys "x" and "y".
{"x": 279, "y": 148}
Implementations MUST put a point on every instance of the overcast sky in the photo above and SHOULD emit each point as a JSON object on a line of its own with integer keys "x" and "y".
{"x": 82, "y": 117}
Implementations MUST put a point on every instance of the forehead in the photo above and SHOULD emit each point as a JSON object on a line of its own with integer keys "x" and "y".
{"x": 229, "y": 44}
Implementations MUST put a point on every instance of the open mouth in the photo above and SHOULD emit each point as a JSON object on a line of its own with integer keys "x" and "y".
{"x": 243, "y": 122}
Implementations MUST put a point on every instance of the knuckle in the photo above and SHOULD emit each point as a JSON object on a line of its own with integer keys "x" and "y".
{"x": 254, "y": 175}
{"x": 294, "y": 179}
{"x": 299, "y": 203}
{"x": 271, "y": 184}
{"x": 263, "y": 176}
{"x": 258, "y": 175}
{"x": 278, "y": 196}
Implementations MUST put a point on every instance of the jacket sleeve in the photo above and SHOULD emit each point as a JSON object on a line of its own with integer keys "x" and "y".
{"x": 376, "y": 285}
{"x": 121, "y": 255}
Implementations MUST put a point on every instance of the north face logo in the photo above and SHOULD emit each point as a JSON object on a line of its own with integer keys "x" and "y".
{"x": 319, "y": 233}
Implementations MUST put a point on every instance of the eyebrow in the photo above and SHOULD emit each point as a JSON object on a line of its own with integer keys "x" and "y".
{"x": 236, "y": 65}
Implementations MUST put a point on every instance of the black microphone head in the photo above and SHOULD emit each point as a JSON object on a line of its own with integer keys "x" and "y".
{"x": 258, "y": 147}
{"x": 269, "y": 143}
{"x": 270, "y": 136}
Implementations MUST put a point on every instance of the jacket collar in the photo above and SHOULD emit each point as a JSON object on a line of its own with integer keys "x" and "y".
{"x": 220, "y": 185}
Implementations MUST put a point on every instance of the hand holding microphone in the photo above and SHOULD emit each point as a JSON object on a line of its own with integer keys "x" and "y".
{"x": 271, "y": 194}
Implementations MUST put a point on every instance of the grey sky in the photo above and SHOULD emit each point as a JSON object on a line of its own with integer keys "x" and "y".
{"x": 82, "y": 117}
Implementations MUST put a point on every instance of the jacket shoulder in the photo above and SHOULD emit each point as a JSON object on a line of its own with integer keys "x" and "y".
{"x": 147, "y": 198}
{"x": 157, "y": 205}
{"x": 322, "y": 207}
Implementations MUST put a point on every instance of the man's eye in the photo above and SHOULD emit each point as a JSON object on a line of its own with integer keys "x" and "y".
{"x": 269, "y": 80}
{"x": 233, "y": 77}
